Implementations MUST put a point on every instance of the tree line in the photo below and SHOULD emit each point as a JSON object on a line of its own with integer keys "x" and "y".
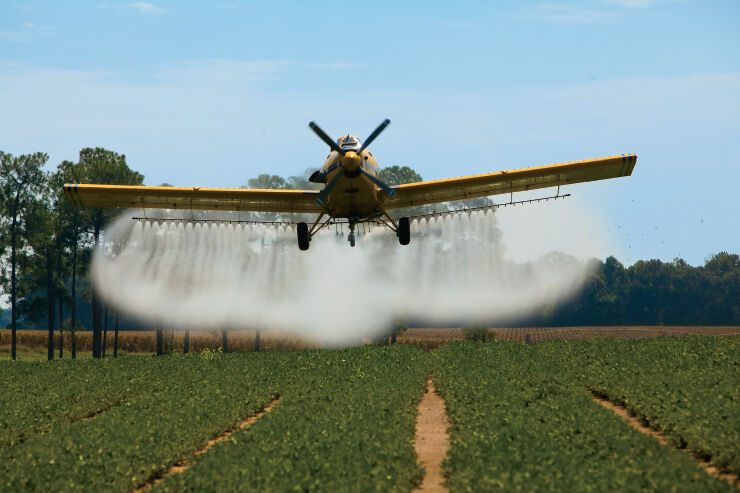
{"x": 46, "y": 246}
{"x": 47, "y": 243}
{"x": 652, "y": 292}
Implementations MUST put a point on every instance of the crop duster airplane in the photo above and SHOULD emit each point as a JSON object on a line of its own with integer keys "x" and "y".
{"x": 353, "y": 193}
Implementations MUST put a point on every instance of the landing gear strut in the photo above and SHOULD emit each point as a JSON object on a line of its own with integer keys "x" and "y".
{"x": 351, "y": 237}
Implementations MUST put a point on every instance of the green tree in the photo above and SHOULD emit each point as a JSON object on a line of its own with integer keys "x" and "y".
{"x": 267, "y": 182}
{"x": 39, "y": 262}
{"x": 722, "y": 272}
{"x": 21, "y": 180}
{"x": 398, "y": 175}
{"x": 75, "y": 221}
{"x": 98, "y": 165}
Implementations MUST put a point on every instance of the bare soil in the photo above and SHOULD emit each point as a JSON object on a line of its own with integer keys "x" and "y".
{"x": 432, "y": 441}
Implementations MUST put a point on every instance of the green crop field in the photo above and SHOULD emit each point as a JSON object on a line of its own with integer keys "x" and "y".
{"x": 522, "y": 418}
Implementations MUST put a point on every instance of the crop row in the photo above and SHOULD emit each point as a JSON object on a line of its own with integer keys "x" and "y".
{"x": 347, "y": 425}
{"x": 175, "y": 406}
{"x": 37, "y": 397}
{"x": 521, "y": 420}
{"x": 522, "y": 417}
{"x": 350, "y": 410}
{"x": 688, "y": 388}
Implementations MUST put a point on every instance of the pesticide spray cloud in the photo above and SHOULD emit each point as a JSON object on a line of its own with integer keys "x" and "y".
{"x": 246, "y": 276}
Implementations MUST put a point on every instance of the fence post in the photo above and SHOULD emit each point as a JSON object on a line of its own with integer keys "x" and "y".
{"x": 186, "y": 343}
{"x": 527, "y": 339}
{"x": 257, "y": 341}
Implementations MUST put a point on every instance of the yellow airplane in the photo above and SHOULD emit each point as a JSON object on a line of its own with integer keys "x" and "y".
{"x": 353, "y": 193}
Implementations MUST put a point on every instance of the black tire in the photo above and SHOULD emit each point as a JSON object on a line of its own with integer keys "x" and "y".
{"x": 303, "y": 238}
{"x": 404, "y": 231}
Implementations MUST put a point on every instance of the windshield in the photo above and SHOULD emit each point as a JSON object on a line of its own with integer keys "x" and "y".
{"x": 349, "y": 142}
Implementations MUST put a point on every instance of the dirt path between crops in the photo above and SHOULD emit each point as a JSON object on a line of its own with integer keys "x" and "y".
{"x": 183, "y": 465}
{"x": 638, "y": 424}
{"x": 431, "y": 441}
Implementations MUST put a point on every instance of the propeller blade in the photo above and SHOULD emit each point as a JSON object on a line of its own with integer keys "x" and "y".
{"x": 324, "y": 194}
{"x": 373, "y": 135}
{"x": 328, "y": 140}
{"x": 383, "y": 186}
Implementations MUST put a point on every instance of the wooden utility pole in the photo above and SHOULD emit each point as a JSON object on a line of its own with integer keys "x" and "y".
{"x": 257, "y": 341}
{"x": 73, "y": 325}
{"x": 115, "y": 340}
{"x": 224, "y": 341}
{"x": 105, "y": 330}
{"x": 159, "y": 340}
{"x": 186, "y": 343}
{"x": 61, "y": 330}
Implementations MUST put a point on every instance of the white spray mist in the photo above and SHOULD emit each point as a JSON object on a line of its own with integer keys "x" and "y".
{"x": 206, "y": 276}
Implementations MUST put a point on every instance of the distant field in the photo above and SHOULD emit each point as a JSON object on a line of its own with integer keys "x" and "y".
{"x": 431, "y": 338}
{"x": 32, "y": 343}
{"x": 522, "y": 417}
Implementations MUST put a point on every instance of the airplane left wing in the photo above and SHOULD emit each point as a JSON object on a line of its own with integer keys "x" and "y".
{"x": 520, "y": 180}
{"x": 216, "y": 199}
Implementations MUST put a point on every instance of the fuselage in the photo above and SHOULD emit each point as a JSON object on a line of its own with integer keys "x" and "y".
{"x": 354, "y": 195}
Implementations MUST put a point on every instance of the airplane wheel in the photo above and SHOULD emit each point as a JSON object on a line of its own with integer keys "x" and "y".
{"x": 404, "y": 231}
{"x": 303, "y": 237}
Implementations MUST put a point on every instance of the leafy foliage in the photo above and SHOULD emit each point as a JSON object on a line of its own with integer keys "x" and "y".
{"x": 397, "y": 175}
{"x": 352, "y": 410}
{"x": 345, "y": 425}
{"x": 479, "y": 333}
{"x": 652, "y": 293}
{"x": 155, "y": 411}
{"x": 523, "y": 421}
{"x": 685, "y": 387}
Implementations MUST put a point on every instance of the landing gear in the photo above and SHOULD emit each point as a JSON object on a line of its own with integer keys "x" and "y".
{"x": 351, "y": 237}
{"x": 303, "y": 236}
{"x": 404, "y": 231}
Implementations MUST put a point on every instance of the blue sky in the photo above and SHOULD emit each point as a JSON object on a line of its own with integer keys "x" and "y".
{"x": 211, "y": 94}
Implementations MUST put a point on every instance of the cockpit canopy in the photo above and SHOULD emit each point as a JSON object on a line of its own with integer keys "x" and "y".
{"x": 349, "y": 142}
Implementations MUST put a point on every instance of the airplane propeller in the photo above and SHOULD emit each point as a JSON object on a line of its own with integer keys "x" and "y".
{"x": 320, "y": 177}
{"x": 373, "y": 135}
{"x": 328, "y": 140}
{"x": 383, "y": 185}
{"x": 324, "y": 194}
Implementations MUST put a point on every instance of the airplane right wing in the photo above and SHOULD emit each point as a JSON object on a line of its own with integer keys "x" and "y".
{"x": 520, "y": 180}
{"x": 194, "y": 198}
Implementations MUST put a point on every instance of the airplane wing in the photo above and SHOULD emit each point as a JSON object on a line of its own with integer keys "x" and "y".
{"x": 520, "y": 180}
{"x": 217, "y": 199}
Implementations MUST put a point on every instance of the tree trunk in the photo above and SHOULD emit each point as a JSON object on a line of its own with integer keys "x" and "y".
{"x": 224, "y": 341}
{"x": 96, "y": 306}
{"x": 74, "y": 299}
{"x": 115, "y": 340}
{"x": 105, "y": 329}
{"x": 257, "y": 341}
{"x": 13, "y": 308}
{"x": 50, "y": 305}
{"x": 159, "y": 340}
{"x": 186, "y": 343}
{"x": 61, "y": 332}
